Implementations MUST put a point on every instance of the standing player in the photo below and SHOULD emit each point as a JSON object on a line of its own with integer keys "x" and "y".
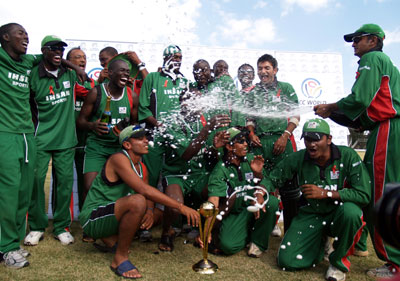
{"x": 105, "y": 55}
{"x": 116, "y": 204}
{"x": 374, "y": 103}
{"x": 246, "y": 77}
{"x": 18, "y": 149}
{"x": 335, "y": 185}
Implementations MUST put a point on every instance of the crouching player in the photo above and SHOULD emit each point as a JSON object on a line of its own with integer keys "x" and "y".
{"x": 335, "y": 185}
{"x": 231, "y": 182}
{"x": 116, "y": 203}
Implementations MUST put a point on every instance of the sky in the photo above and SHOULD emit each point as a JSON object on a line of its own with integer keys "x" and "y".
{"x": 281, "y": 25}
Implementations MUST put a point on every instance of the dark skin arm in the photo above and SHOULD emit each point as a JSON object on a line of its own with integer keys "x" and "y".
{"x": 257, "y": 165}
{"x": 325, "y": 110}
{"x": 312, "y": 191}
{"x": 87, "y": 108}
{"x": 135, "y": 108}
{"x": 216, "y": 122}
{"x": 119, "y": 167}
{"x": 280, "y": 144}
{"x": 148, "y": 218}
{"x": 82, "y": 76}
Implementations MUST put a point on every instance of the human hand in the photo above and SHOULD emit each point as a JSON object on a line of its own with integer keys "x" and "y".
{"x": 257, "y": 164}
{"x": 133, "y": 57}
{"x": 254, "y": 139}
{"x": 100, "y": 128}
{"x": 192, "y": 216}
{"x": 103, "y": 75}
{"x": 220, "y": 139}
{"x": 200, "y": 242}
{"x": 325, "y": 110}
{"x": 148, "y": 220}
{"x": 219, "y": 121}
{"x": 280, "y": 145}
{"x": 311, "y": 191}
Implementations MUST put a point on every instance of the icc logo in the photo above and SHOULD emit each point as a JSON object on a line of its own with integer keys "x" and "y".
{"x": 311, "y": 88}
{"x": 94, "y": 73}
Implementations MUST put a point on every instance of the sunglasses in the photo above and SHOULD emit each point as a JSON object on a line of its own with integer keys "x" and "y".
{"x": 55, "y": 48}
{"x": 357, "y": 39}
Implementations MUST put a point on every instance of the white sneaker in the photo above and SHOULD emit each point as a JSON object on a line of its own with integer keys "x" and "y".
{"x": 334, "y": 274}
{"x": 23, "y": 252}
{"x": 33, "y": 238}
{"x": 276, "y": 232}
{"x": 384, "y": 271}
{"x": 254, "y": 251}
{"x": 14, "y": 259}
{"x": 65, "y": 238}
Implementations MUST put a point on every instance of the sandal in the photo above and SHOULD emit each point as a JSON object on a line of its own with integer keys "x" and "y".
{"x": 124, "y": 267}
{"x": 168, "y": 242}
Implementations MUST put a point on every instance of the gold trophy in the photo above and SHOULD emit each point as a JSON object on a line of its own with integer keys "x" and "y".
{"x": 205, "y": 266}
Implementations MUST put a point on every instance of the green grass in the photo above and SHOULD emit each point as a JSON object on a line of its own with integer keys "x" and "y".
{"x": 80, "y": 261}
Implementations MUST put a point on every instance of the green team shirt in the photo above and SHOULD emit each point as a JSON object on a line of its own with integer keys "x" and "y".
{"x": 103, "y": 192}
{"x": 159, "y": 96}
{"x": 15, "y": 110}
{"x": 375, "y": 95}
{"x": 227, "y": 178}
{"x": 344, "y": 172}
{"x": 177, "y": 140}
{"x": 120, "y": 108}
{"x": 54, "y": 99}
{"x": 279, "y": 99}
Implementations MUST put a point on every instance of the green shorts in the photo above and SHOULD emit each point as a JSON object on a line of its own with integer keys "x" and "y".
{"x": 96, "y": 155}
{"x": 101, "y": 222}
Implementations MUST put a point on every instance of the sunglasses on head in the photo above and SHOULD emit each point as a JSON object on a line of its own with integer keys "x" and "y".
{"x": 55, "y": 48}
{"x": 357, "y": 39}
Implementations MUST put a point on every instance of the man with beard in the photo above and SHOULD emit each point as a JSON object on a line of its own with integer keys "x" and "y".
{"x": 159, "y": 103}
{"x": 374, "y": 105}
{"x": 18, "y": 149}
{"x": 335, "y": 186}
{"x": 52, "y": 101}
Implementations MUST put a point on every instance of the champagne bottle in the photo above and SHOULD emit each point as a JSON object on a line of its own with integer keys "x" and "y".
{"x": 106, "y": 116}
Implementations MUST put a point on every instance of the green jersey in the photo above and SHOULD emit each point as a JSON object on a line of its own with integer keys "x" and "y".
{"x": 15, "y": 110}
{"x": 159, "y": 96}
{"x": 344, "y": 172}
{"x": 227, "y": 178}
{"x": 266, "y": 99}
{"x": 54, "y": 105}
{"x": 375, "y": 96}
{"x": 120, "y": 108}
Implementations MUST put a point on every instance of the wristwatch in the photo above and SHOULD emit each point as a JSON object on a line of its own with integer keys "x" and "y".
{"x": 329, "y": 194}
{"x": 141, "y": 66}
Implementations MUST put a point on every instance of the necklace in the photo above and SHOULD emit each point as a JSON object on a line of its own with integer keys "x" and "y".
{"x": 133, "y": 165}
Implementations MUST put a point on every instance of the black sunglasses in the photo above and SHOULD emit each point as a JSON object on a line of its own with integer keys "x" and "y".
{"x": 55, "y": 48}
{"x": 357, "y": 39}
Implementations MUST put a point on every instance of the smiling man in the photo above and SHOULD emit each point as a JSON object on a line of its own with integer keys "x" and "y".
{"x": 52, "y": 101}
{"x": 374, "y": 104}
{"x": 335, "y": 186}
{"x": 18, "y": 149}
{"x": 102, "y": 141}
{"x": 116, "y": 204}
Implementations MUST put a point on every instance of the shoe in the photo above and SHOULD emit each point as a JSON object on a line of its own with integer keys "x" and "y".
{"x": 23, "y": 252}
{"x": 334, "y": 274}
{"x": 145, "y": 236}
{"x": 360, "y": 253}
{"x": 276, "y": 232}
{"x": 14, "y": 259}
{"x": 33, "y": 238}
{"x": 328, "y": 248}
{"x": 65, "y": 238}
{"x": 254, "y": 251}
{"x": 384, "y": 271}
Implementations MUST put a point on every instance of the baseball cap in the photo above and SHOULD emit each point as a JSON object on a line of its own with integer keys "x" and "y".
{"x": 315, "y": 129}
{"x": 131, "y": 132}
{"x": 366, "y": 29}
{"x": 170, "y": 50}
{"x": 236, "y": 132}
{"x": 51, "y": 40}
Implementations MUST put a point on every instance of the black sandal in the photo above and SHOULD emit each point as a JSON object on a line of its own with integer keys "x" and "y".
{"x": 168, "y": 241}
{"x": 106, "y": 249}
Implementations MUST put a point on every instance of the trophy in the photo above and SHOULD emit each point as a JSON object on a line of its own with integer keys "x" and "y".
{"x": 205, "y": 266}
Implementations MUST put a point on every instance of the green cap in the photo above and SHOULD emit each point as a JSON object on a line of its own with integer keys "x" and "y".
{"x": 236, "y": 132}
{"x": 315, "y": 129}
{"x": 131, "y": 132}
{"x": 51, "y": 40}
{"x": 366, "y": 29}
{"x": 170, "y": 50}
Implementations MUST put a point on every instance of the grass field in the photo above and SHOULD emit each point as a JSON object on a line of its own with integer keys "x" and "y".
{"x": 80, "y": 261}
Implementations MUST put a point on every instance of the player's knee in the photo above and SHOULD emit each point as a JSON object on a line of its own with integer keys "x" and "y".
{"x": 230, "y": 248}
{"x": 286, "y": 260}
{"x": 137, "y": 203}
{"x": 350, "y": 213}
{"x": 273, "y": 204}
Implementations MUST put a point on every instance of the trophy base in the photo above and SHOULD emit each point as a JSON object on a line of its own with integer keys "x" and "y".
{"x": 205, "y": 267}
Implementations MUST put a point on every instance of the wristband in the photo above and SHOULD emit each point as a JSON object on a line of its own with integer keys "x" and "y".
{"x": 286, "y": 131}
{"x": 294, "y": 120}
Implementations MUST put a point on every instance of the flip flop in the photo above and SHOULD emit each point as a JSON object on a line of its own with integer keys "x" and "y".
{"x": 124, "y": 267}
{"x": 167, "y": 240}
{"x": 106, "y": 249}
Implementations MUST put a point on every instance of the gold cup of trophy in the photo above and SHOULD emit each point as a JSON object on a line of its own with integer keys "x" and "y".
{"x": 209, "y": 212}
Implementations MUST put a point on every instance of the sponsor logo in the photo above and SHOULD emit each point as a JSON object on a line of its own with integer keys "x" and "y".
{"x": 122, "y": 109}
{"x": 94, "y": 73}
{"x": 311, "y": 88}
{"x": 67, "y": 84}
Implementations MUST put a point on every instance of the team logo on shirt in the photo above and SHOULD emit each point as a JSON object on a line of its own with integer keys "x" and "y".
{"x": 334, "y": 173}
{"x": 248, "y": 176}
{"x": 67, "y": 84}
{"x": 122, "y": 109}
